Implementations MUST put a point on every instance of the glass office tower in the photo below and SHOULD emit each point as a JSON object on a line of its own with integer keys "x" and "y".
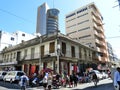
{"x": 52, "y": 20}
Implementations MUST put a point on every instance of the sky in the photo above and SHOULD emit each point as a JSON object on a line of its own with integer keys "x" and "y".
{"x": 22, "y": 15}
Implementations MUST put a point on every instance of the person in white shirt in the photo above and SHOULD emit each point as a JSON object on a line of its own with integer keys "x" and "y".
{"x": 49, "y": 81}
{"x": 117, "y": 78}
{"x": 45, "y": 81}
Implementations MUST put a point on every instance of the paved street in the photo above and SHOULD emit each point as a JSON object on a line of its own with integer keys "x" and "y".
{"x": 102, "y": 85}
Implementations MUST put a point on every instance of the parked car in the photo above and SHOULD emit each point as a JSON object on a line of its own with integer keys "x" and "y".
{"x": 2, "y": 74}
{"x": 13, "y": 76}
{"x": 98, "y": 73}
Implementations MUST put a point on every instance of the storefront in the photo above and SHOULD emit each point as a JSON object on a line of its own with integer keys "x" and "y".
{"x": 9, "y": 66}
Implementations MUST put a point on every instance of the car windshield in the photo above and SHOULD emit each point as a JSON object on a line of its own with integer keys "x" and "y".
{"x": 11, "y": 73}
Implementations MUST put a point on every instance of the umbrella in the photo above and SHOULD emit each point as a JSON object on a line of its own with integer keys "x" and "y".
{"x": 47, "y": 70}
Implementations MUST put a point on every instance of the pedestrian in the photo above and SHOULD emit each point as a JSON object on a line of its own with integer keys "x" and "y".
{"x": 45, "y": 81}
{"x": 117, "y": 78}
{"x": 109, "y": 73}
{"x": 71, "y": 81}
{"x": 35, "y": 80}
{"x": 75, "y": 79}
{"x": 49, "y": 81}
{"x": 95, "y": 78}
{"x": 24, "y": 80}
{"x": 67, "y": 80}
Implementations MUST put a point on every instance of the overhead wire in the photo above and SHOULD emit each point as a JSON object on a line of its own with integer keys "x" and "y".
{"x": 5, "y": 11}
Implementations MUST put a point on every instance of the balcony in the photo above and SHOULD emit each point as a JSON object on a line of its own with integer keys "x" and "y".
{"x": 102, "y": 50}
{"x": 37, "y": 56}
{"x": 99, "y": 28}
{"x": 97, "y": 41}
{"x": 96, "y": 15}
{"x": 104, "y": 59}
{"x": 99, "y": 35}
{"x": 98, "y": 58}
{"x": 98, "y": 22}
{"x": 98, "y": 49}
{"x": 100, "y": 43}
{"x": 9, "y": 63}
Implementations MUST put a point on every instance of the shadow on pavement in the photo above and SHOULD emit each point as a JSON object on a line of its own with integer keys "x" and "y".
{"x": 9, "y": 85}
{"x": 108, "y": 86}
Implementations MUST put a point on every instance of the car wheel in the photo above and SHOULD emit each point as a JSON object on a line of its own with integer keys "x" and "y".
{"x": 4, "y": 80}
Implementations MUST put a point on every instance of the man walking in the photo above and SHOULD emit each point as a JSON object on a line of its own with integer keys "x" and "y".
{"x": 24, "y": 80}
{"x": 117, "y": 78}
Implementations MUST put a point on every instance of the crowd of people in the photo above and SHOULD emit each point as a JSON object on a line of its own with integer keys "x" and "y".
{"x": 55, "y": 80}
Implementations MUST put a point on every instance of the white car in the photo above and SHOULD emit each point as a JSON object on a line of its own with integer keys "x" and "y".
{"x": 2, "y": 74}
{"x": 99, "y": 75}
{"x": 13, "y": 76}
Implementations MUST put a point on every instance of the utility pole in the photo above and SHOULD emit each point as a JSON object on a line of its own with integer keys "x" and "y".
{"x": 40, "y": 62}
{"x": 58, "y": 52}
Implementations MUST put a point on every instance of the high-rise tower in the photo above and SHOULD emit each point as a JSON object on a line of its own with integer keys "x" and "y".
{"x": 52, "y": 20}
{"x": 85, "y": 25}
{"x": 47, "y": 20}
{"x": 41, "y": 19}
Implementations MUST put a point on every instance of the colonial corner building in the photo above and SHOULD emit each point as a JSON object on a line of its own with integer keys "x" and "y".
{"x": 56, "y": 51}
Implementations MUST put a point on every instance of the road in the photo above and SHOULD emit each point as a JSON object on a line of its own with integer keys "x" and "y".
{"x": 105, "y": 84}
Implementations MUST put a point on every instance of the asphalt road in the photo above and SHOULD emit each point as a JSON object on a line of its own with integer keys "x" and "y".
{"x": 105, "y": 84}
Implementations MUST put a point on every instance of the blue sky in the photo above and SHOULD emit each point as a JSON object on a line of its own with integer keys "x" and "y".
{"x": 21, "y": 15}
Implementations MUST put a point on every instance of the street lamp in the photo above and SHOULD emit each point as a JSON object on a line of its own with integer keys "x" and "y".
{"x": 58, "y": 51}
{"x": 40, "y": 62}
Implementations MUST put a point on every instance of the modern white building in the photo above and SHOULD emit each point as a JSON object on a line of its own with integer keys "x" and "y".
{"x": 41, "y": 19}
{"x": 85, "y": 25}
{"x": 9, "y": 39}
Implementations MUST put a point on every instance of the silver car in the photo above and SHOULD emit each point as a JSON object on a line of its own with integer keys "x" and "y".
{"x": 2, "y": 74}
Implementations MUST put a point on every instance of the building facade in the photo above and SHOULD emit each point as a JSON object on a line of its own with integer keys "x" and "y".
{"x": 85, "y": 25}
{"x": 110, "y": 52}
{"x": 57, "y": 52}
